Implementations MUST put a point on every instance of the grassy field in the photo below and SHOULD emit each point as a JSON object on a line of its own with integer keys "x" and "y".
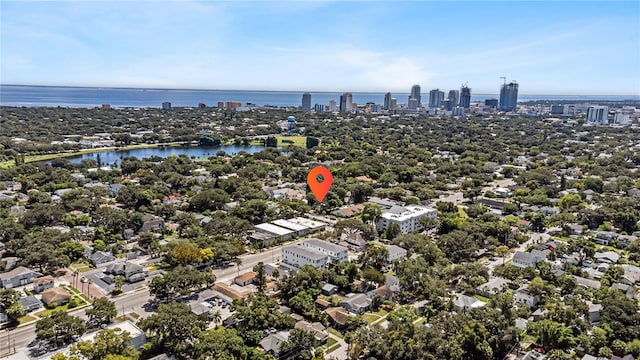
{"x": 370, "y": 318}
{"x": 6, "y": 164}
{"x": 26, "y": 319}
{"x": 335, "y": 332}
{"x": 81, "y": 267}
{"x": 296, "y": 140}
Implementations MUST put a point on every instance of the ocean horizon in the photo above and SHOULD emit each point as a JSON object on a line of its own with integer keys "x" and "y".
{"x": 117, "y": 97}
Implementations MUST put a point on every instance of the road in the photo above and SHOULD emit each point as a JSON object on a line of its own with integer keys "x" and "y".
{"x": 22, "y": 336}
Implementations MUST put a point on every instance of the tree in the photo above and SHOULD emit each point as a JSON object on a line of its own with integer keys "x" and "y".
{"x": 458, "y": 245}
{"x": 371, "y": 213}
{"x": 59, "y": 326}
{"x": 502, "y": 251}
{"x": 551, "y": 335}
{"x": 299, "y": 346}
{"x": 103, "y": 310}
{"x": 392, "y": 231}
{"x": 106, "y": 345}
{"x": 9, "y": 302}
{"x": 118, "y": 281}
{"x": 261, "y": 276}
{"x": 220, "y": 343}
{"x": 174, "y": 328}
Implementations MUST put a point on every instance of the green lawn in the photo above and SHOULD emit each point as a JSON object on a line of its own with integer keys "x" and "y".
{"x": 481, "y": 298}
{"x": 80, "y": 266}
{"x": 6, "y": 164}
{"x": 370, "y": 318}
{"x": 296, "y": 140}
{"x": 332, "y": 349}
{"x": 335, "y": 332}
{"x": 26, "y": 319}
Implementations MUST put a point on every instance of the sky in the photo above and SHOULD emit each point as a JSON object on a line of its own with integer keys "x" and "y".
{"x": 574, "y": 47}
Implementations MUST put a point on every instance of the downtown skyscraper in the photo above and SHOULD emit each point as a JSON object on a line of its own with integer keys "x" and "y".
{"x": 509, "y": 96}
{"x": 435, "y": 97}
{"x": 387, "y": 101}
{"x": 306, "y": 102}
{"x": 465, "y": 96}
{"x": 346, "y": 102}
{"x": 454, "y": 96}
{"x": 415, "y": 94}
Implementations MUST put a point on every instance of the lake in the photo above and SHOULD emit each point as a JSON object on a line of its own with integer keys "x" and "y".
{"x": 111, "y": 156}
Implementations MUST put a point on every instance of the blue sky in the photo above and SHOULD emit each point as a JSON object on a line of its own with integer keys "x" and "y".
{"x": 548, "y": 47}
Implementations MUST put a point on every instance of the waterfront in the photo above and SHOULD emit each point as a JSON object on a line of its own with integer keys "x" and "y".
{"x": 110, "y": 157}
{"x": 32, "y": 96}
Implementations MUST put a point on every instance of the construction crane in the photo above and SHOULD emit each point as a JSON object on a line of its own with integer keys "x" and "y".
{"x": 465, "y": 84}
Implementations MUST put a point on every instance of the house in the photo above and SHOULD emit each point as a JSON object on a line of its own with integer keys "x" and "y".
{"x": 523, "y": 296}
{"x": 493, "y": 286}
{"x": 322, "y": 304}
{"x": 349, "y": 211}
{"x": 574, "y": 229}
{"x": 132, "y": 272}
{"x": 625, "y": 240}
{"x": 245, "y": 279}
{"x": 549, "y": 245}
{"x": 138, "y": 337}
{"x": 329, "y": 289}
{"x": 594, "y": 313}
{"x": 356, "y": 303}
{"x": 631, "y": 274}
{"x": 101, "y": 258}
{"x": 317, "y": 329}
{"x": 114, "y": 189}
{"x": 383, "y": 291}
{"x": 587, "y": 283}
{"x": 395, "y": 252}
{"x": 463, "y": 303}
{"x": 55, "y": 295}
{"x": 608, "y": 257}
{"x": 227, "y": 293}
{"x": 605, "y": 237}
{"x": 42, "y": 283}
{"x": 392, "y": 282}
{"x": 271, "y": 344}
{"x": 337, "y": 316}
{"x": 354, "y": 238}
{"x": 128, "y": 234}
{"x": 502, "y": 192}
{"x": 523, "y": 260}
{"x": 29, "y": 303}
{"x": 539, "y": 314}
{"x": 17, "y": 277}
{"x": 151, "y": 225}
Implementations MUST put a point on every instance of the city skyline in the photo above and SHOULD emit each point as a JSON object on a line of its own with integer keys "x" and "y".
{"x": 549, "y": 48}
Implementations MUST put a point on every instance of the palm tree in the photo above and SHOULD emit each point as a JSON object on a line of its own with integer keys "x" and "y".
{"x": 238, "y": 262}
{"x": 118, "y": 282}
{"x": 75, "y": 278}
{"x": 216, "y": 317}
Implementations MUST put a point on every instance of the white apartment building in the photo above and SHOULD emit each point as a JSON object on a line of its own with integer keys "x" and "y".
{"x": 336, "y": 253}
{"x": 407, "y": 217}
{"x": 597, "y": 114}
{"x": 299, "y": 256}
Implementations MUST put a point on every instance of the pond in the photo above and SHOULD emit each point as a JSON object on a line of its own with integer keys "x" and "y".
{"x": 111, "y": 156}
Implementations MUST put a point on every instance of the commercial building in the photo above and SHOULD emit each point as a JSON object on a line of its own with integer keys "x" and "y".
{"x": 393, "y": 104}
{"x": 413, "y": 103}
{"x": 335, "y": 252}
{"x": 491, "y": 102}
{"x": 454, "y": 97}
{"x": 333, "y": 106}
{"x": 406, "y": 217}
{"x": 465, "y": 97}
{"x": 166, "y": 105}
{"x": 318, "y": 108}
{"x": 509, "y": 96}
{"x": 306, "y": 102}
{"x": 597, "y": 114}
{"x": 415, "y": 94}
{"x": 387, "y": 101}
{"x": 298, "y": 256}
{"x": 621, "y": 119}
{"x": 346, "y": 102}
{"x": 435, "y": 97}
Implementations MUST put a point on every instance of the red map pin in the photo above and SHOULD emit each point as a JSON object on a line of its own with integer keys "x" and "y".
{"x": 320, "y": 189}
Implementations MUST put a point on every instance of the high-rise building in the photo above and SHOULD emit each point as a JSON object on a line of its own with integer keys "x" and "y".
{"x": 166, "y": 105}
{"x": 319, "y": 107}
{"x": 435, "y": 97}
{"x": 306, "y": 102}
{"x": 346, "y": 102}
{"x": 415, "y": 93}
{"x": 598, "y": 114}
{"x": 446, "y": 104}
{"x": 491, "y": 102}
{"x": 509, "y": 96}
{"x": 413, "y": 103}
{"x": 202, "y": 106}
{"x": 333, "y": 106}
{"x": 457, "y": 111}
{"x": 387, "y": 100}
{"x": 454, "y": 96}
{"x": 465, "y": 97}
{"x": 393, "y": 104}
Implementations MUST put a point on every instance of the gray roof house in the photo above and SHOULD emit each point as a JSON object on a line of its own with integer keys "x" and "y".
{"x": 594, "y": 313}
{"x": 609, "y": 257}
{"x": 605, "y": 237}
{"x": 356, "y": 303}
{"x": 29, "y": 303}
{"x": 463, "y": 303}
{"x": 17, "y": 277}
{"x": 132, "y": 272}
{"x": 587, "y": 283}
{"x": 99, "y": 258}
{"x": 493, "y": 286}
{"x": 271, "y": 344}
{"x": 396, "y": 252}
{"x": 523, "y": 260}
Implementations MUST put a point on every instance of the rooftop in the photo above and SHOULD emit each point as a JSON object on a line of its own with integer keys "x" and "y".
{"x": 325, "y": 245}
{"x": 297, "y": 249}
{"x": 402, "y": 213}
{"x": 274, "y": 229}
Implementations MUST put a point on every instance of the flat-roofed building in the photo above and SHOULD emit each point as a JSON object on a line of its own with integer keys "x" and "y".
{"x": 299, "y": 256}
{"x": 301, "y": 230}
{"x": 407, "y": 217}
{"x": 138, "y": 337}
{"x": 312, "y": 225}
{"x": 280, "y": 233}
{"x": 335, "y": 252}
